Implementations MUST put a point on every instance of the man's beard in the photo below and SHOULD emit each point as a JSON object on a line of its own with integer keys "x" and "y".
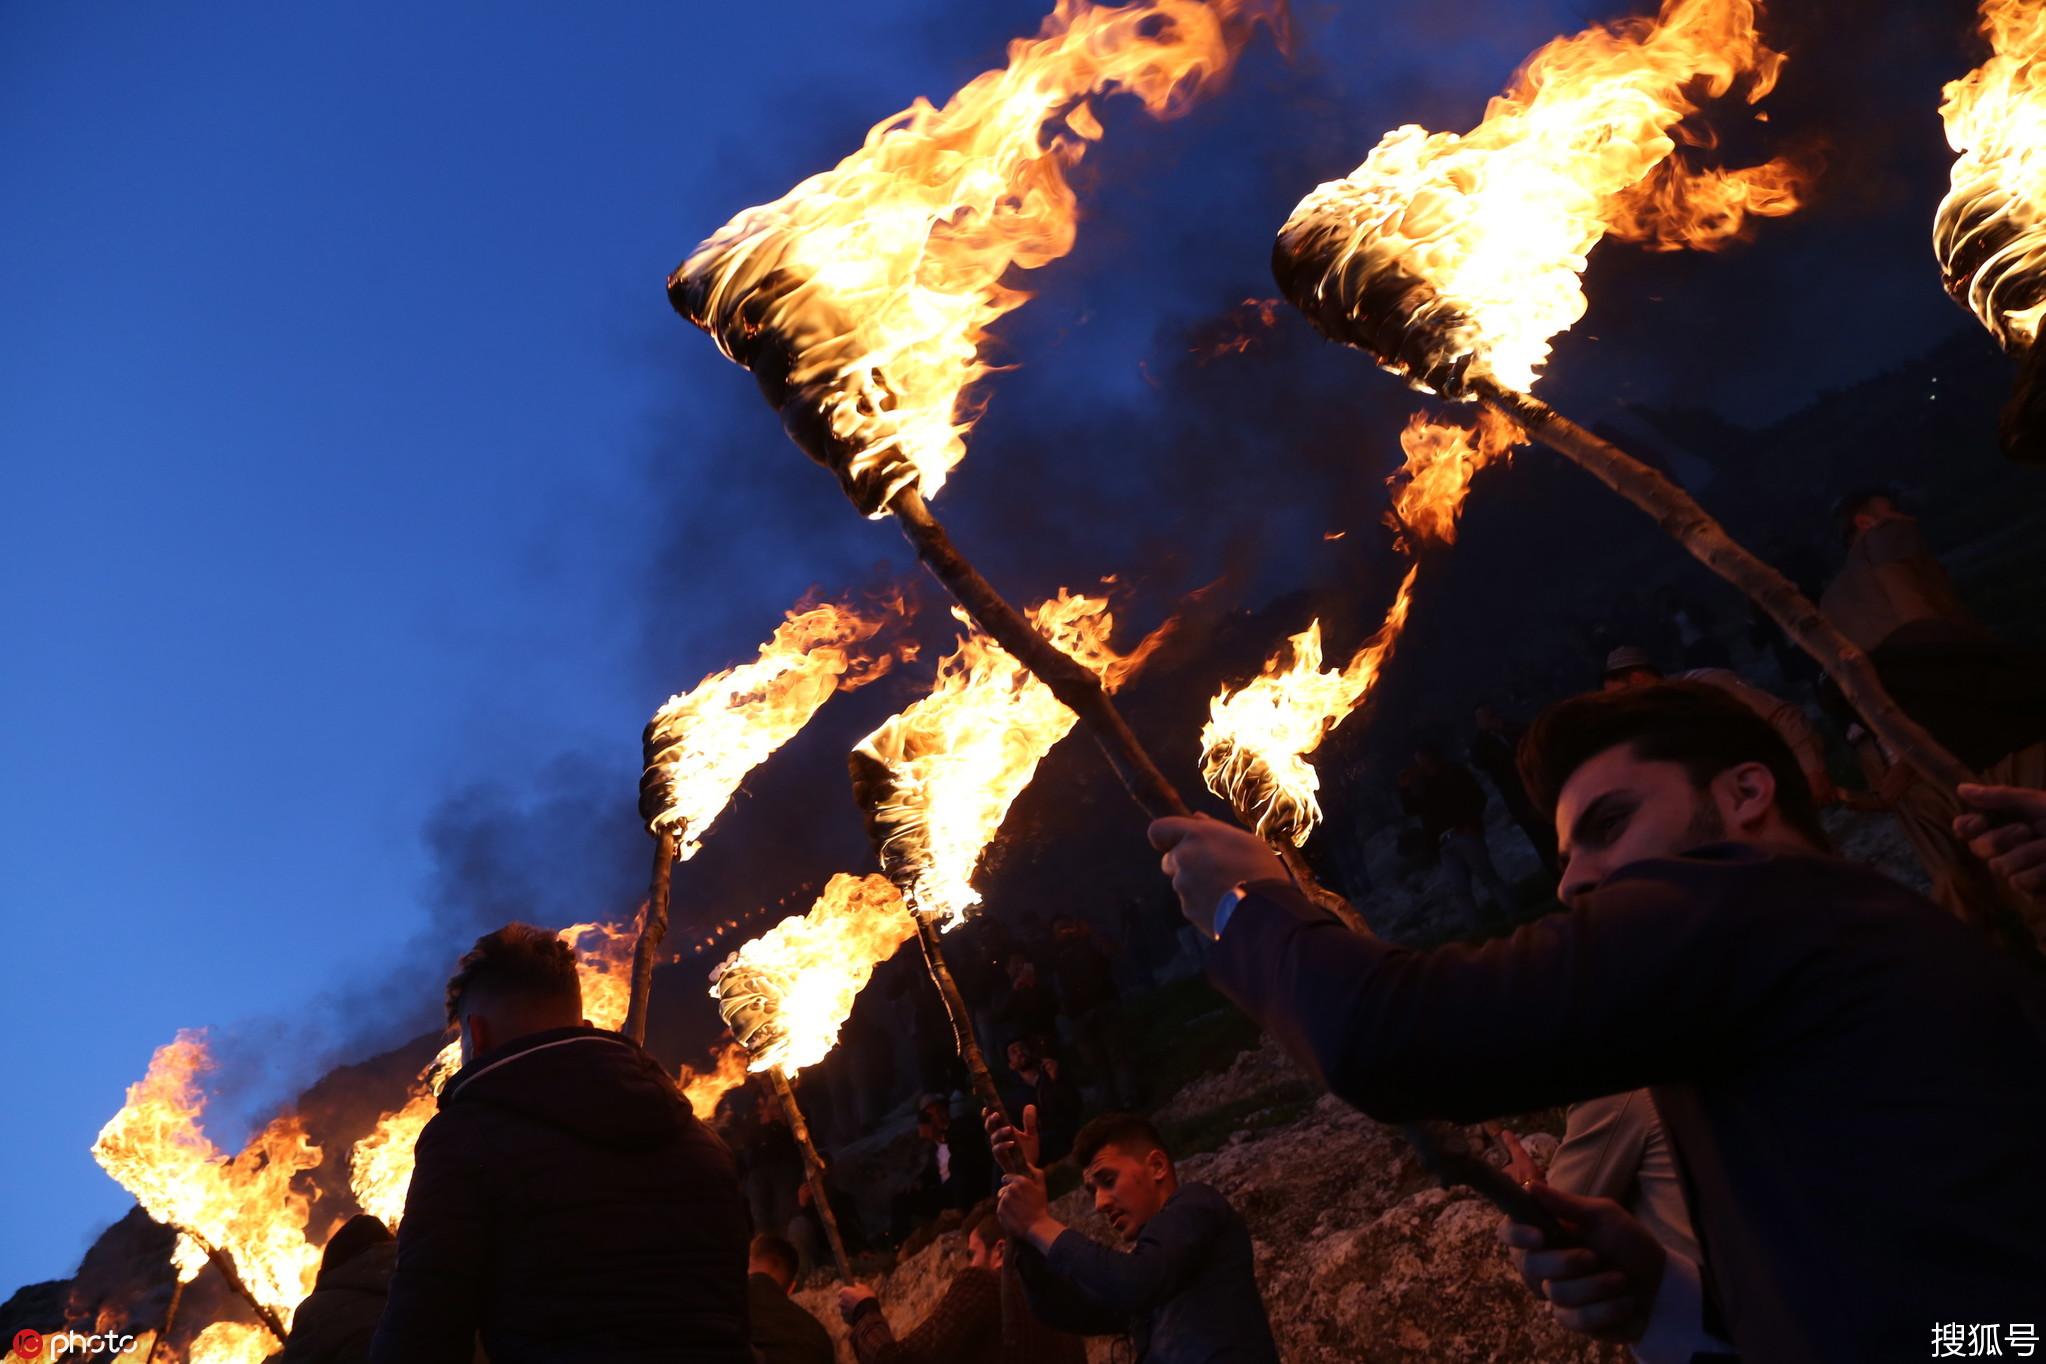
{"x": 1706, "y": 826}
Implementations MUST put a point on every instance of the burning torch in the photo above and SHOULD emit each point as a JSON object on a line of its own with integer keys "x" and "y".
{"x": 860, "y": 299}
{"x": 702, "y": 743}
{"x": 1455, "y": 260}
{"x": 1990, "y": 232}
{"x": 786, "y": 994}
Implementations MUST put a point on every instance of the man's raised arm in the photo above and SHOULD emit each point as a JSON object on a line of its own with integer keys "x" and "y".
{"x": 1620, "y": 995}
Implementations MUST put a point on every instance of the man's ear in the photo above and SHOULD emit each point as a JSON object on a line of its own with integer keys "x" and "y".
{"x": 1158, "y": 1163}
{"x": 1746, "y": 795}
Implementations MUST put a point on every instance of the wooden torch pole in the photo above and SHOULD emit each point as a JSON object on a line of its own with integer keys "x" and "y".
{"x": 1691, "y": 526}
{"x": 1079, "y": 690}
{"x": 961, "y": 1019}
{"x": 813, "y": 1168}
{"x": 651, "y": 931}
{"x": 220, "y": 1261}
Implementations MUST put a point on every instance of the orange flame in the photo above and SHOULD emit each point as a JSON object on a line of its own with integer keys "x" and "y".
{"x": 875, "y": 282}
{"x": 1495, "y": 225}
{"x": 188, "y": 1257}
{"x": 1442, "y": 458}
{"x": 942, "y": 774}
{"x": 230, "y": 1342}
{"x": 701, "y": 744}
{"x": 786, "y": 993}
{"x": 1990, "y": 233}
{"x": 380, "y": 1165}
{"x": 705, "y": 1089}
{"x": 244, "y": 1207}
{"x": 1255, "y": 745}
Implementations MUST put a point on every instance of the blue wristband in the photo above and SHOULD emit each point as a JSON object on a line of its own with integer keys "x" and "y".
{"x": 1227, "y": 907}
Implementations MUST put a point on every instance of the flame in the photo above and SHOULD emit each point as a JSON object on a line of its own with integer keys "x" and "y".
{"x": 1990, "y": 232}
{"x": 1445, "y": 253}
{"x": 245, "y": 1207}
{"x": 1255, "y": 744}
{"x": 1441, "y": 458}
{"x": 938, "y": 778}
{"x": 705, "y": 1089}
{"x": 865, "y": 292}
{"x": 701, "y": 744}
{"x": 188, "y": 1257}
{"x": 603, "y": 964}
{"x": 230, "y": 1342}
{"x": 380, "y": 1165}
{"x": 786, "y": 993}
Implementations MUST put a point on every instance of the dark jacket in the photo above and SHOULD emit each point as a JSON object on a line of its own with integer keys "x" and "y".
{"x": 964, "y": 1328}
{"x": 969, "y": 1168}
{"x": 336, "y": 1321}
{"x": 1854, "y": 1082}
{"x": 1185, "y": 1293}
{"x": 567, "y": 1204}
{"x": 783, "y": 1331}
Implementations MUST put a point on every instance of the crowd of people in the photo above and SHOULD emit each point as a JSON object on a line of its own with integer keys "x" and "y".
{"x": 1802, "y": 1103}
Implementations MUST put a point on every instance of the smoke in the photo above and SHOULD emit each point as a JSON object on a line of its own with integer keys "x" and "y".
{"x": 1119, "y": 443}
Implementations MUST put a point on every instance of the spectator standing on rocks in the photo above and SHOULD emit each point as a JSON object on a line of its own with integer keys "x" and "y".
{"x": 1028, "y": 1009}
{"x": 1040, "y": 1081}
{"x": 968, "y": 1325}
{"x": 783, "y": 1333}
{"x": 565, "y": 1203}
{"x": 957, "y": 1171}
{"x": 1451, "y": 807}
{"x": 1493, "y": 749}
{"x": 1980, "y": 697}
{"x": 1809, "y": 1031}
{"x": 1185, "y": 1291}
{"x": 1084, "y": 967}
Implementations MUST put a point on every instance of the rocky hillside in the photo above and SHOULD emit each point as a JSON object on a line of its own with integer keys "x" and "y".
{"x": 1360, "y": 1257}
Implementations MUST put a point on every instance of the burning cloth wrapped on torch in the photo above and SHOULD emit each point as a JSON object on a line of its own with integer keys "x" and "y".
{"x": 1990, "y": 231}
{"x": 786, "y": 994}
{"x": 1456, "y": 259}
{"x": 936, "y": 781}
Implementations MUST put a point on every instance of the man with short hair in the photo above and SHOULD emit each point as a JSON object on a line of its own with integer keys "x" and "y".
{"x": 1630, "y": 666}
{"x": 1854, "y": 1083}
{"x": 1186, "y": 1289}
{"x": 565, "y": 1204}
{"x": 968, "y": 1324}
{"x": 783, "y": 1333}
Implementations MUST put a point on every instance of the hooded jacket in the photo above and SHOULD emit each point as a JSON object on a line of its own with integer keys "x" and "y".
{"x": 335, "y": 1322}
{"x": 567, "y": 1205}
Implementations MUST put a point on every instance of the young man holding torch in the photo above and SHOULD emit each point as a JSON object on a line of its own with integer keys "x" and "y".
{"x": 1854, "y": 1082}
{"x": 1185, "y": 1292}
